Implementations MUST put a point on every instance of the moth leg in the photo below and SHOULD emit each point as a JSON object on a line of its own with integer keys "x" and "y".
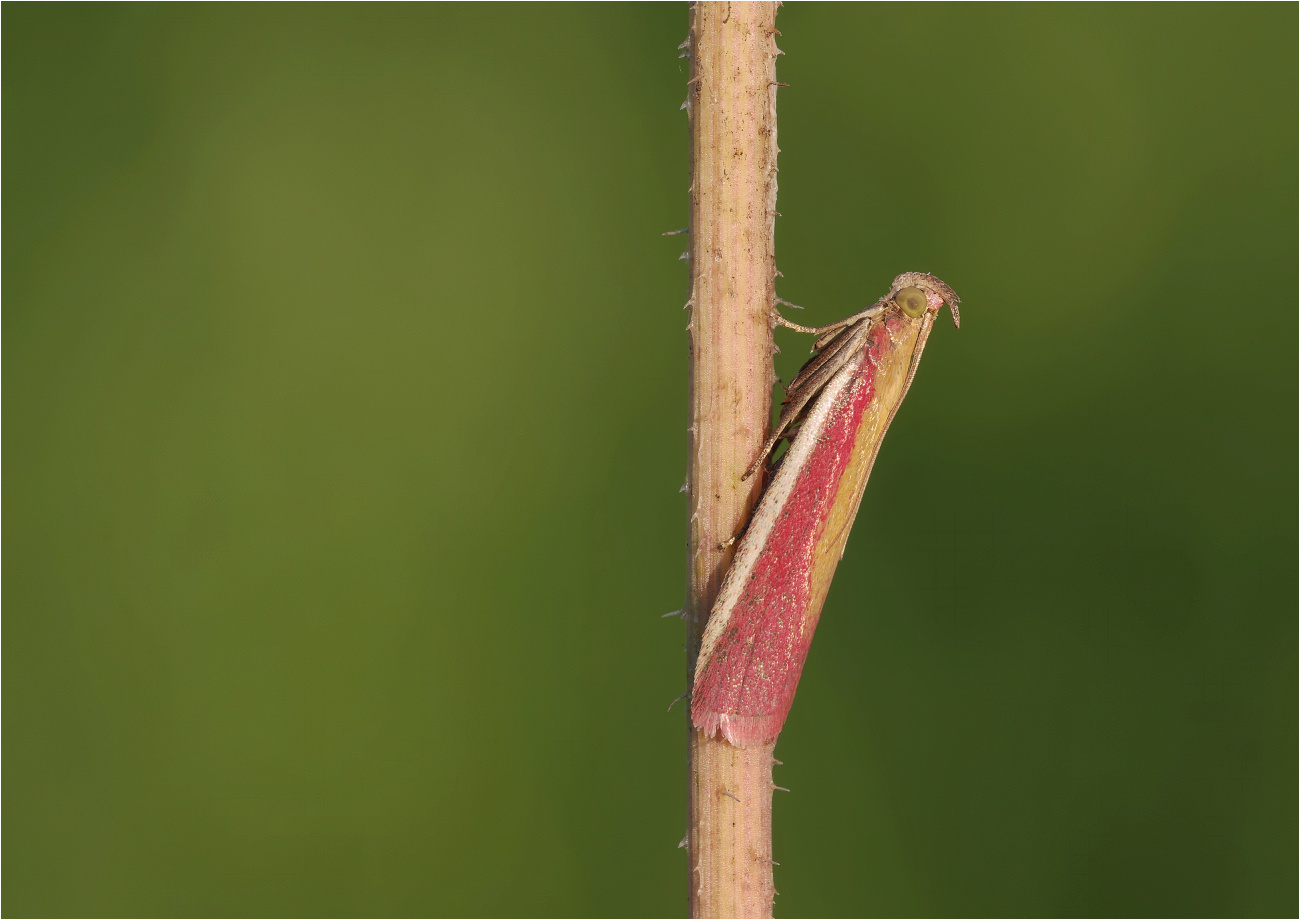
{"x": 787, "y": 416}
{"x": 798, "y": 397}
{"x": 834, "y": 347}
{"x": 734, "y": 538}
{"x": 869, "y": 313}
{"x": 811, "y": 330}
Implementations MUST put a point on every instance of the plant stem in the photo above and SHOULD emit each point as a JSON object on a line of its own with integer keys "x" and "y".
{"x": 732, "y": 101}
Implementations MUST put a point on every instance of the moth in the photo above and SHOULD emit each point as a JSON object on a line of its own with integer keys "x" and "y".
{"x": 836, "y": 412}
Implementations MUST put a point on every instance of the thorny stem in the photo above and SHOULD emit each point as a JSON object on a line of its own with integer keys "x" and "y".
{"x": 732, "y": 103}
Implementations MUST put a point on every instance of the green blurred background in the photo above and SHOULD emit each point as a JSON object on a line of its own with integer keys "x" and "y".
{"x": 345, "y": 404}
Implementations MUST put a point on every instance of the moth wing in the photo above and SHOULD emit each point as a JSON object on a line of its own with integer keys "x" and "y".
{"x": 759, "y": 632}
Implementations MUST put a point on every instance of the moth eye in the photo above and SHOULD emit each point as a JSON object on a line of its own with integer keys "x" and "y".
{"x": 912, "y": 300}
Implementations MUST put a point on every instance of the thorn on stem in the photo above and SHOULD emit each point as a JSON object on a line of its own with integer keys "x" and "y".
{"x": 730, "y": 795}
{"x": 675, "y": 232}
{"x": 673, "y": 613}
{"x": 684, "y": 842}
{"x": 678, "y": 700}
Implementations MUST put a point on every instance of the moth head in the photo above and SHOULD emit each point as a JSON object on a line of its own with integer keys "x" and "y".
{"x": 917, "y": 292}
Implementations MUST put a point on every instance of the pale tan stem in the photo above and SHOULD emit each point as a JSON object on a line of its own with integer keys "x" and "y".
{"x": 732, "y": 100}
